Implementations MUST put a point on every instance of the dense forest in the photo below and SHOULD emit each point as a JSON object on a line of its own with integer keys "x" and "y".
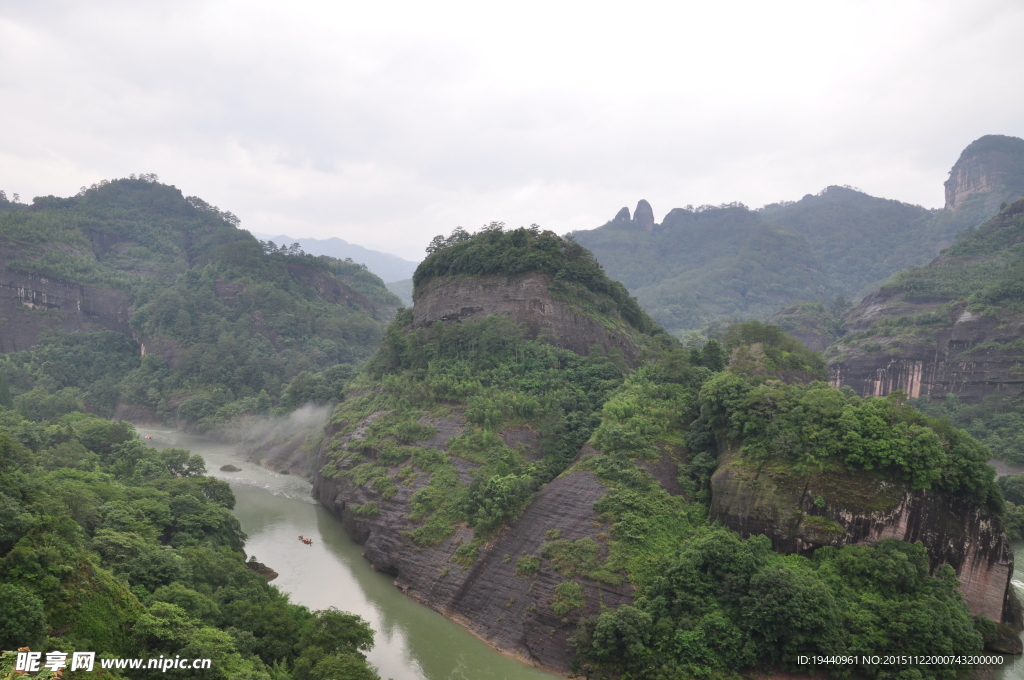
{"x": 107, "y": 545}
{"x": 217, "y": 322}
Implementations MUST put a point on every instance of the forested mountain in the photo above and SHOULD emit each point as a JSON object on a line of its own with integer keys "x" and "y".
{"x": 712, "y": 263}
{"x": 630, "y": 507}
{"x": 131, "y": 299}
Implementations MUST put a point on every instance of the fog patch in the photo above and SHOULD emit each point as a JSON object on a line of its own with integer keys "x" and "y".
{"x": 287, "y": 444}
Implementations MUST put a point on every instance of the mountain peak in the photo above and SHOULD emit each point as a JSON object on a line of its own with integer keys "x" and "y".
{"x": 992, "y": 164}
{"x": 644, "y": 215}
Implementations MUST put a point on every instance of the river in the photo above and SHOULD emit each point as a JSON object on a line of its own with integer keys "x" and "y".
{"x": 412, "y": 642}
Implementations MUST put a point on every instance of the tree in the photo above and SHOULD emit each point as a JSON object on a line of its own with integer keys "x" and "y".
{"x": 22, "y": 619}
{"x": 712, "y": 356}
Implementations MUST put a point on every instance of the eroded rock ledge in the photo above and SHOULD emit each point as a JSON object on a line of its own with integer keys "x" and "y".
{"x": 526, "y": 299}
{"x": 512, "y": 613}
{"x": 801, "y": 513}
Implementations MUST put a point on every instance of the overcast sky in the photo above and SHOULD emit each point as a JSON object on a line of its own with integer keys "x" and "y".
{"x": 385, "y": 123}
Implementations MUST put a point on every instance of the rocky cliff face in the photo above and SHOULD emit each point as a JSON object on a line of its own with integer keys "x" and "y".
{"x": 30, "y": 303}
{"x": 803, "y": 512}
{"x": 525, "y": 298}
{"x": 993, "y": 164}
{"x": 510, "y": 611}
{"x": 968, "y": 355}
{"x": 953, "y": 327}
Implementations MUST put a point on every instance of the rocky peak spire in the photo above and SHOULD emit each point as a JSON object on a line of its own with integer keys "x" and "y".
{"x": 644, "y": 215}
{"x": 622, "y": 216}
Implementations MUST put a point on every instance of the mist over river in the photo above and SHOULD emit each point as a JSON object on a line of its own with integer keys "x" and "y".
{"x": 412, "y": 642}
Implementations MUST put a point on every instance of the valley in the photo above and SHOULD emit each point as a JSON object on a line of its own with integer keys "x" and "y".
{"x": 594, "y": 453}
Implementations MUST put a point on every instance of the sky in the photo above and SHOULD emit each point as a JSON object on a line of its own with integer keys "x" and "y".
{"x": 386, "y": 123}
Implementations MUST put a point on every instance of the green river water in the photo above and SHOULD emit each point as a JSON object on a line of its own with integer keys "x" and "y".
{"x": 412, "y": 641}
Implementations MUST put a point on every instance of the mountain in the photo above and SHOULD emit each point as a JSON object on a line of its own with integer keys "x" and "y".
{"x": 703, "y": 265}
{"x": 950, "y": 334}
{"x": 151, "y": 306}
{"x": 529, "y": 454}
{"x": 385, "y": 265}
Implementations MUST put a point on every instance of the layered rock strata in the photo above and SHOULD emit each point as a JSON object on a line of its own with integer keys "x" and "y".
{"x": 801, "y": 513}
{"x": 30, "y": 303}
{"x": 527, "y": 299}
{"x": 970, "y": 356}
{"x": 508, "y": 611}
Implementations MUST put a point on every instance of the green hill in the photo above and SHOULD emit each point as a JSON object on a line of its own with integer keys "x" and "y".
{"x": 133, "y": 298}
{"x": 709, "y": 264}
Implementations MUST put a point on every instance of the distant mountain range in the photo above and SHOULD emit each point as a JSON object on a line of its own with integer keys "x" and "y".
{"x": 385, "y": 265}
{"x": 714, "y": 263}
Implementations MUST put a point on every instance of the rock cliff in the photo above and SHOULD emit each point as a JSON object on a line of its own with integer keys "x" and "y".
{"x": 30, "y": 303}
{"x": 510, "y": 611}
{"x": 968, "y": 355}
{"x": 992, "y": 165}
{"x": 527, "y": 299}
{"x": 953, "y": 327}
{"x": 801, "y": 513}
{"x": 644, "y": 215}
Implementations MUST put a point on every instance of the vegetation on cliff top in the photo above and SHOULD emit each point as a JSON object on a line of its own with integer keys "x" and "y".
{"x": 109, "y": 546}
{"x": 577, "y": 275}
{"x": 227, "y": 320}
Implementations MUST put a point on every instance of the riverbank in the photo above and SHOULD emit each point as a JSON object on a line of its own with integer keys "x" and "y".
{"x": 413, "y": 642}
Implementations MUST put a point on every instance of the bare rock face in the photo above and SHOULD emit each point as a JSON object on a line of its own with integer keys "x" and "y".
{"x": 527, "y": 299}
{"x": 30, "y": 303}
{"x": 644, "y": 215}
{"x": 509, "y": 611}
{"x": 970, "y": 356}
{"x": 622, "y": 216}
{"x": 993, "y": 163}
{"x": 801, "y": 513}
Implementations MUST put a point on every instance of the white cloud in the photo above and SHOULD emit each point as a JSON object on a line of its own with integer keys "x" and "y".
{"x": 387, "y": 123}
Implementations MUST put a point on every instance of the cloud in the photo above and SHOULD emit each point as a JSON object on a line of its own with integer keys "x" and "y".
{"x": 386, "y": 123}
